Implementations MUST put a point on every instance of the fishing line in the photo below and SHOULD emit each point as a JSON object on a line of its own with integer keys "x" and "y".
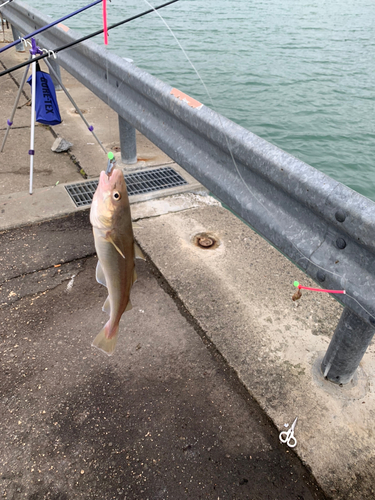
{"x": 108, "y": 110}
{"x": 110, "y": 156}
{"x": 342, "y": 279}
{"x": 87, "y": 37}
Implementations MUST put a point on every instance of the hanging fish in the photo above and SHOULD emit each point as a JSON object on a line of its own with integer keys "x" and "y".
{"x": 116, "y": 251}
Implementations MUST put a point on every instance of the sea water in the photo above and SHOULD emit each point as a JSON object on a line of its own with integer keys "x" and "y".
{"x": 299, "y": 73}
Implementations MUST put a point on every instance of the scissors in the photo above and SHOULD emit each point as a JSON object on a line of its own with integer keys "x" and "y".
{"x": 288, "y": 436}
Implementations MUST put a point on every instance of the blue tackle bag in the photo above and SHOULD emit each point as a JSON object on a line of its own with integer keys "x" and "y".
{"x": 46, "y": 107}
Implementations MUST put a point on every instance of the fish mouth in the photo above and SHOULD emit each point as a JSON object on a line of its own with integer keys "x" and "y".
{"x": 104, "y": 180}
{"x": 105, "y": 177}
{"x": 107, "y": 184}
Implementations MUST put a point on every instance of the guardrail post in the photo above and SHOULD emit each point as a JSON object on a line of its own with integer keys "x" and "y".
{"x": 128, "y": 142}
{"x": 347, "y": 347}
{"x": 16, "y": 35}
{"x": 56, "y": 69}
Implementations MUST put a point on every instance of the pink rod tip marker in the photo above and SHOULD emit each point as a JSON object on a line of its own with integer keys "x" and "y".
{"x": 105, "y": 32}
{"x": 300, "y": 287}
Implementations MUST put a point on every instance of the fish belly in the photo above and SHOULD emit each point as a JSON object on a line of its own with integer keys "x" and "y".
{"x": 118, "y": 276}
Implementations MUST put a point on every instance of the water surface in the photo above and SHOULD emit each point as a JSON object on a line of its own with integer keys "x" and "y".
{"x": 300, "y": 74}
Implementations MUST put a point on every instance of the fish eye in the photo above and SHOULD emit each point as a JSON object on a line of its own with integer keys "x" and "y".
{"x": 116, "y": 196}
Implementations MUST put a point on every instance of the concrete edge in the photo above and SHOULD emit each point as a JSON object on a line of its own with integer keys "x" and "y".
{"x": 21, "y": 209}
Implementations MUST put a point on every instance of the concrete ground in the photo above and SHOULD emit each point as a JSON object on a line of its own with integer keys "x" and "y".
{"x": 164, "y": 418}
{"x": 213, "y": 359}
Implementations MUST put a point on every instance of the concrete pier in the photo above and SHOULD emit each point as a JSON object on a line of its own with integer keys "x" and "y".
{"x": 212, "y": 362}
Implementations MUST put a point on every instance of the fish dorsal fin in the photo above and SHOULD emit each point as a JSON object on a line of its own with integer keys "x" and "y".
{"x": 110, "y": 239}
{"x": 100, "y": 277}
{"x": 107, "y": 306}
{"x": 138, "y": 252}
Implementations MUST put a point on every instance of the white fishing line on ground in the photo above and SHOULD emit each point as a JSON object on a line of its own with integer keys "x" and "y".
{"x": 70, "y": 284}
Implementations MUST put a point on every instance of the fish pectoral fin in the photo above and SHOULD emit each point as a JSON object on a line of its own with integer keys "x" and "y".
{"x": 138, "y": 252}
{"x": 110, "y": 239}
{"x": 105, "y": 344}
{"x": 100, "y": 277}
{"x": 136, "y": 226}
{"x": 107, "y": 306}
{"x": 129, "y": 306}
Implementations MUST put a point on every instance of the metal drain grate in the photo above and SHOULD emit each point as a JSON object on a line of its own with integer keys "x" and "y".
{"x": 153, "y": 180}
{"x": 83, "y": 193}
{"x": 137, "y": 183}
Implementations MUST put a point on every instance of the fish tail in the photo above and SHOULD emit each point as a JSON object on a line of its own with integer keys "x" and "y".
{"x": 105, "y": 344}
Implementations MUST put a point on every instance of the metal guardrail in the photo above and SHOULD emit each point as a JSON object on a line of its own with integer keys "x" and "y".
{"x": 321, "y": 225}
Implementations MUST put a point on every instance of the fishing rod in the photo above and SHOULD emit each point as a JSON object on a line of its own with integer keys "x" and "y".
{"x": 48, "y": 25}
{"x": 87, "y": 37}
{"x": 2, "y": 4}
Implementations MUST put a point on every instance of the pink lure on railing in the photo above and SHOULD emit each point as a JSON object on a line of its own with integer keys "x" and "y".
{"x": 298, "y": 295}
{"x": 319, "y": 289}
